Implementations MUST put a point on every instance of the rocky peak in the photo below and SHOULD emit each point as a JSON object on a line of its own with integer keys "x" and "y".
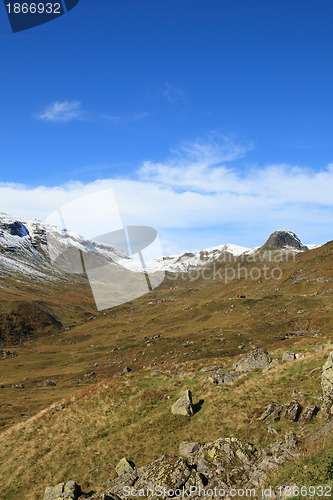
{"x": 285, "y": 239}
{"x": 13, "y": 227}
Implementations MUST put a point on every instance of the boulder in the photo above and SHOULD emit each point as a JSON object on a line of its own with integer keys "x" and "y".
{"x": 310, "y": 411}
{"x": 168, "y": 472}
{"x": 275, "y": 414}
{"x": 124, "y": 466}
{"x": 230, "y": 456}
{"x": 49, "y": 383}
{"x": 268, "y": 411}
{"x": 288, "y": 356}
{"x": 7, "y": 354}
{"x": 188, "y": 450}
{"x": 125, "y": 480}
{"x": 258, "y": 358}
{"x": 222, "y": 377}
{"x": 292, "y": 411}
{"x": 58, "y": 407}
{"x": 327, "y": 385}
{"x": 184, "y": 405}
{"x": 63, "y": 491}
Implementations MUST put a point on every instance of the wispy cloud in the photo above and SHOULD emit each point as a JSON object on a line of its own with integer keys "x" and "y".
{"x": 62, "y": 111}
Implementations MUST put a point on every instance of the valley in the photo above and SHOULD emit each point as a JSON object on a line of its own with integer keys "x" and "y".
{"x": 116, "y": 373}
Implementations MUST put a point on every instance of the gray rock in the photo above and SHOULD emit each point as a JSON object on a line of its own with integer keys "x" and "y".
{"x": 275, "y": 415}
{"x": 63, "y": 491}
{"x": 183, "y": 406}
{"x": 188, "y": 450}
{"x": 288, "y": 356}
{"x": 290, "y": 440}
{"x": 327, "y": 385}
{"x": 228, "y": 455}
{"x": 89, "y": 374}
{"x": 49, "y": 383}
{"x": 125, "y": 480}
{"x": 127, "y": 369}
{"x": 292, "y": 411}
{"x": 258, "y": 358}
{"x": 168, "y": 471}
{"x": 57, "y": 407}
{"x": 310, "y": 411}
{"x": 124, "y": 466}
{"x": 268, "y": 411}
{"x": 222, "y": 377}
{"x": 8, "y": 354}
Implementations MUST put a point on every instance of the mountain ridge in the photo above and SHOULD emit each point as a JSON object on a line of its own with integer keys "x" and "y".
{"x": 29, "y": 246}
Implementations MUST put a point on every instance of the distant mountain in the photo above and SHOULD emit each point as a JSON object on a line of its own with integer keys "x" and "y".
{"x": 29, "y": 248}
{"x": 191, "y": 260}
{"x": 285, "y": 239}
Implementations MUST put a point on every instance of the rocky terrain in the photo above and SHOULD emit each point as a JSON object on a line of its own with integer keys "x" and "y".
{"x": 216, "y": 469}
{"x": 205, "y": 382}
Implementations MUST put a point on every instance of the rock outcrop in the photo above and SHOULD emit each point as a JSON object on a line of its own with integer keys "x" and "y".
{"x": 285, "y": 239}
{"x": 293, "y": 411}
{"x": 310, "y": 411}
{"x": 288, "y": 356}
{"x": 224, "y": 464}
{"x": 258, "y": 358}
{"x": 222, "y": 377}
{"x": 63, "y": 491}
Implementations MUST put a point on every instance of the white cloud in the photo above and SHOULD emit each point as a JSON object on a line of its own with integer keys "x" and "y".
{"x": 194, "y": 201}
{"x": 61, "y": 111}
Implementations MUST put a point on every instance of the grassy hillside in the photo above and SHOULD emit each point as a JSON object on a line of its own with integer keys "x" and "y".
{"x": 190, "y": 324}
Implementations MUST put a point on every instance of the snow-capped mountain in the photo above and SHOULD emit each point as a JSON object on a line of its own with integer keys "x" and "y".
{"x": 285, "y": 239}
{"x": 189, "y": 260}
{"x": 43, "y": 252}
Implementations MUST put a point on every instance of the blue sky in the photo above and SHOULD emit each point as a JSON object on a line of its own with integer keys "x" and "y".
{"x": 211, "y": 120}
